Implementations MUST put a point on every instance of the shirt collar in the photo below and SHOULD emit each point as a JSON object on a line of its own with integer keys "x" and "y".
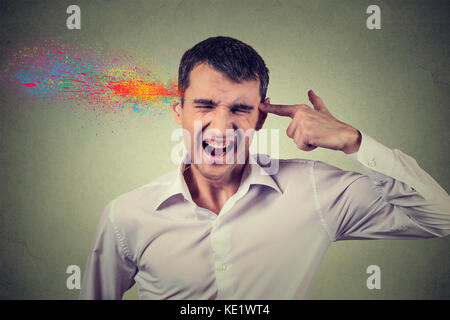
{"x": 254, "y": 174}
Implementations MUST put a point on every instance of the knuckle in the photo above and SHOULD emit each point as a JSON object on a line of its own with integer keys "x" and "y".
{"x": 307, "y": 125}
{"x": 297, "y": 109}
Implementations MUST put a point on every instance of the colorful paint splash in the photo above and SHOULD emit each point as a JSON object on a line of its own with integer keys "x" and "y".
{"x": 95, "y": 80}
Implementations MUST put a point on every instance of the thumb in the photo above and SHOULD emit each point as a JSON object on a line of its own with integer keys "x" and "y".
{"x": 317, "y": 102}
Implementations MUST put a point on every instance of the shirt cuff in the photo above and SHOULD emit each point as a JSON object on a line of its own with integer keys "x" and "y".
{"x": 374, "y": 158}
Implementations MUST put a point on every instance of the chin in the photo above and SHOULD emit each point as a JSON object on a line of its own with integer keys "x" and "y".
{"x": 215, "y": 171}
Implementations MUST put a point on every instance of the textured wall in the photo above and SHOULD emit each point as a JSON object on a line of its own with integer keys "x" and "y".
{"x": 57, "y": 174}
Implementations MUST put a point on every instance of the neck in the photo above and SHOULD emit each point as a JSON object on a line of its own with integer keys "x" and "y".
{"x": 212, "y": 194}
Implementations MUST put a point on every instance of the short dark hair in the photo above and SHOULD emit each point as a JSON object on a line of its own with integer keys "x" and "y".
{"x": 237, "y": 60}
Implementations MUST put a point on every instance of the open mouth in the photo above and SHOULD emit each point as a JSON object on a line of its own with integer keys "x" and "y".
{"x": 217, "y": 147}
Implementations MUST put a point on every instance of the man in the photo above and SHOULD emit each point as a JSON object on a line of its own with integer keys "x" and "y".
{"x": 219, "y": 228}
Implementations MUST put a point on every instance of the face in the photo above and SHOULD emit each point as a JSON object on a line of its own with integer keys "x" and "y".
{"x": 219, "y": 116}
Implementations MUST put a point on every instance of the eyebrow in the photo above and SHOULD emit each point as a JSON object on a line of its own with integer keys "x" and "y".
{"x": 210, "y": 102}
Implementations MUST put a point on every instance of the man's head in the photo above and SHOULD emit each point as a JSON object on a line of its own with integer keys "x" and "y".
{"x": 235, "y": 59}
{"x": 222, "y": 81}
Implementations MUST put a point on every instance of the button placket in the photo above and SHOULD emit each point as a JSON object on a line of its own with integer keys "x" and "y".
{"x": 220, "y": 242}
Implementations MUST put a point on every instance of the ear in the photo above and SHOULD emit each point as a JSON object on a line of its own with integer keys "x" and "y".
{"x": 261, "y": 116}
{"x": 177, "y": 112}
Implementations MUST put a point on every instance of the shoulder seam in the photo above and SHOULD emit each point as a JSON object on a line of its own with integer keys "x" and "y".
{"x": 119, "y": 237}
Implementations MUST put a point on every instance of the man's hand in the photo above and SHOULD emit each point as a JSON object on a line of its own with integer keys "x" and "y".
{"x": 311, "y": 128}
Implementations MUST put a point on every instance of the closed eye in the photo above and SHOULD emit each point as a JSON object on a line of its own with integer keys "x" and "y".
{"x": 204, "y": 107}
{"x": 238, "y": 108}
{"x": 235, "y": 110}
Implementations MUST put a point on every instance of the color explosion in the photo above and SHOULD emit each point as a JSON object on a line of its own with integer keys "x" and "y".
{"x": 96, "y": 81}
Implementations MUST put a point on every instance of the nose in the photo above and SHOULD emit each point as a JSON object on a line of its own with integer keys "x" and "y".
{"x": 222, "y": 120}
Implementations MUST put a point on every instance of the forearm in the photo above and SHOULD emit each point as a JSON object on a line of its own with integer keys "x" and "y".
{"x": 405, "y": 184}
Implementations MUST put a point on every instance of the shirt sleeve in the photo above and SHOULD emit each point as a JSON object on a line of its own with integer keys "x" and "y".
{"x": 394, "y": 199}
{"x": 110, "y": 270}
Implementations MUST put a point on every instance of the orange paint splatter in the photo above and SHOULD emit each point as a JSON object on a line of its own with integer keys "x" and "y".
{"x": 140, "y": 90}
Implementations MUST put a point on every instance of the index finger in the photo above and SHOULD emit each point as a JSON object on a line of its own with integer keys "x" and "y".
{"x": 279, "y": 109}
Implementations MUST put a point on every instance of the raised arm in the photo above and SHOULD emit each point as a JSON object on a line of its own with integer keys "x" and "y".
{"x": 394, "y": 199}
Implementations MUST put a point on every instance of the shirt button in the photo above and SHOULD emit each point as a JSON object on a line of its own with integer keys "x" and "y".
{"x": 223, "y": 267}
{"x": 372, "y": 163}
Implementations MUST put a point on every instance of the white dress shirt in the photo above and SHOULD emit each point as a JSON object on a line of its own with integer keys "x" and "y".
{"x": 269, "y": 238}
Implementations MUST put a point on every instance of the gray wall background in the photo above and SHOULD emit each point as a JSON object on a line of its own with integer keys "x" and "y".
{"x": 392, "y": 83}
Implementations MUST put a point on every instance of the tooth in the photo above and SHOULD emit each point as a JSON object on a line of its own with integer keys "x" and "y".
{"x": 218, "y": 143}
